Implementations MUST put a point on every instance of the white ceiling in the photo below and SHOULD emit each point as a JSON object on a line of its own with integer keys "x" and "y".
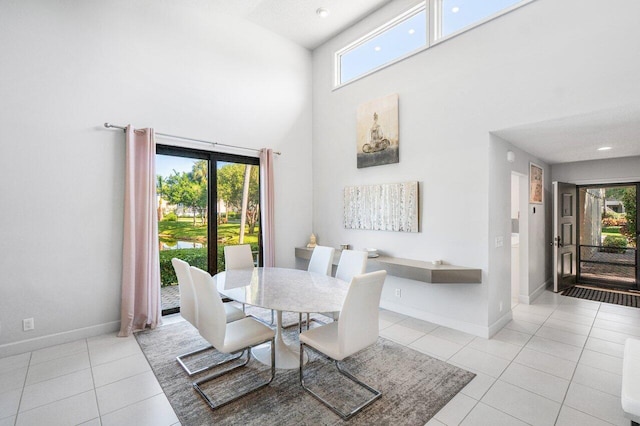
{"x": 578, "y": 138}
{"x": 297, "y": 20}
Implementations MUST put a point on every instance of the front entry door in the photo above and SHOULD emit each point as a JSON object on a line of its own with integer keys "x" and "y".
{"x": 564, "y": 235}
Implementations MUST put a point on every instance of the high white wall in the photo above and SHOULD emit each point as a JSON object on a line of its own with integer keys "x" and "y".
{"x": 614, "y": 170}
{"x": 67, "y": 67}
{"x": 545, "y": 60}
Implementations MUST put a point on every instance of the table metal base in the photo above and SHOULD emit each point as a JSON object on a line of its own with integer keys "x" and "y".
{"x": 287, "y": 355}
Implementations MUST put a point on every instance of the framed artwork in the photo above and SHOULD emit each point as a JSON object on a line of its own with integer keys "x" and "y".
{"x": 536, "y": 183}
{"x": 385, "y": 207}
{"x": 377, "y": 132}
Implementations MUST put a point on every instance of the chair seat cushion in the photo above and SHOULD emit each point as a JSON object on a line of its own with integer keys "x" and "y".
{"x": 630, "y": 397}
{"x": 233, "y": 313}
{"x": 324, "y": 339}
{"x": 244, "y": 333}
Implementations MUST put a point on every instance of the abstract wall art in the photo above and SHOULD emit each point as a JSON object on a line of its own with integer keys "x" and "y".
{"x": 385, "y": 207}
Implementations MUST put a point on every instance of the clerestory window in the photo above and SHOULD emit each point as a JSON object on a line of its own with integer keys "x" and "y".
{"x": 416, "y": 29}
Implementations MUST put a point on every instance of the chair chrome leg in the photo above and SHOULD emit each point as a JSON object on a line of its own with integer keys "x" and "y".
{"x": 300, "y": 322}
{"x": 345, "y": 416}
{"x": 211, "y": 403}
{"x": 181, "y": 360}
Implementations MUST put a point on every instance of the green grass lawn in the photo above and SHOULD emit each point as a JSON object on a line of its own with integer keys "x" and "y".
{"x": 610, "y": 230}
{"x": 184, "y": 230}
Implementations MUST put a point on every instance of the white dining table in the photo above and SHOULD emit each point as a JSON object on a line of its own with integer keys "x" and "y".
{"x": 282, "y": 289}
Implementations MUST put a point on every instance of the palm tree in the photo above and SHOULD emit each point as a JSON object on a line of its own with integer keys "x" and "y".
{"x": 160, "y": 188}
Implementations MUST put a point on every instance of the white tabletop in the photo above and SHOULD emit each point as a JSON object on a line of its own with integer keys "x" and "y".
{"x": 283, "y": 289}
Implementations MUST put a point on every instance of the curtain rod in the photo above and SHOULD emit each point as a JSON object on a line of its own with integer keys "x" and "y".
{"x": 113, "y": 126}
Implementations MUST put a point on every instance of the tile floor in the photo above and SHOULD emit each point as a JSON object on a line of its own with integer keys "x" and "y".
{"x": 558, "y": 362}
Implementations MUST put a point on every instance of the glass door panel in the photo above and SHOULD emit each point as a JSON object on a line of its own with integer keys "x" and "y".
{"x": 182, "y": 186}
{"x": 608, "y": 236}
{"x": 238, "y": 206}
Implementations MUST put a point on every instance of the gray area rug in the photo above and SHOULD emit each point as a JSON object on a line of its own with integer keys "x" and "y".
{"x": 414, "y": 386}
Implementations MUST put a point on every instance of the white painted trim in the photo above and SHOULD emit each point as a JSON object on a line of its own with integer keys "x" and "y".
{"x": 499, "y": 324}
{"x": 476, "y": 330}
{"x": 36, "y": 343}
{"x": 527, "y": 300}
{"x": 606, "y": 181}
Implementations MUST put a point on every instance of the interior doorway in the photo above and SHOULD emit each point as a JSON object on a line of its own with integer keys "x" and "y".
{"x": 607, "y": 219}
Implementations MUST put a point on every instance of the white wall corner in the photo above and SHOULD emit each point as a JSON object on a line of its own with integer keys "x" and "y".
{"x": 36, "y": 343}
{"x": 536, "y": 293}
{"x": 498, "y": 325}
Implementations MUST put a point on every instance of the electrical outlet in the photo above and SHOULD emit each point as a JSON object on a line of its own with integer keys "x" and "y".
{"x": 28, "y": 324}
{"x": 499, "y": 242}
{"x": 398, "y": 292}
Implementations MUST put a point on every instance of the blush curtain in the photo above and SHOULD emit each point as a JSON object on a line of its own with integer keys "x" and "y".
{"x": 141, "y": 306}
{"x": 267, "y": 209}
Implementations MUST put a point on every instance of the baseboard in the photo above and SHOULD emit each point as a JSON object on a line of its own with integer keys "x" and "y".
{"x": 499, "y": 324}
{"x": 36, "y": 343}
{"x": 527, "y": 300}
{"x": 476, "y": 330}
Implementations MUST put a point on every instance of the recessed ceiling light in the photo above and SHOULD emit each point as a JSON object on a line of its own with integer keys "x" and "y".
{"x": 377, "y": 48}
{"x": 455, "y": 9}
{"x": 322, "y": 12}
{"x": 412, "y": 31}
{"x": 604, "y": 148}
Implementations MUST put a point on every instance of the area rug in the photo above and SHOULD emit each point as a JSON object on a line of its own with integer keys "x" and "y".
{"x": 614, "y": 297}
{"x": 414, "y": 386}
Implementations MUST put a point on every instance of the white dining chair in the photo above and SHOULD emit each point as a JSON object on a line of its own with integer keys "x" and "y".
{"x": 188, "y": 309}
{"x": 321, "y": 262}
{"x": 351, "y": 263}
{"x": 229, "y": 338}
{"x": 356, "y": 330}
{"x": 240, "y": 257}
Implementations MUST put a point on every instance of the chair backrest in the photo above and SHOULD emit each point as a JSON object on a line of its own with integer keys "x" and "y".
{"x": 211, "y": 317}
{"x": 358, "y": 325}
{"x": 321, "y": 260}
{"x": 238, "y": 257}
{"x": 187, "y": 295}
{"x": 352, "y": 263}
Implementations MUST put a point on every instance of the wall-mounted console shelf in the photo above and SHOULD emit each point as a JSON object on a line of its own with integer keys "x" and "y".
{"x": 418, "y": 270}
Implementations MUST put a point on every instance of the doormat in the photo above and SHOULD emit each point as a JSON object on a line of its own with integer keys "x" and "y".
{"x": 613, "y": 297}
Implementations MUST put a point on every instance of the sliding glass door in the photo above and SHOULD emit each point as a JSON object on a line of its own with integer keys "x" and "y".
{"x": 238, "y": 207}
{"x": 203, "y": 197}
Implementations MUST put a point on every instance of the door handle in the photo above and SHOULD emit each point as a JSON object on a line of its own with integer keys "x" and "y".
{"x": 558, "y": 242}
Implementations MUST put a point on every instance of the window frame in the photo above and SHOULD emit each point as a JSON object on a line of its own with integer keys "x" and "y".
{"x": 438, "y": 15}
{"x": 404, "y": 16}
{"x": 434, "y": 11}
{"x": 213, "y": 157}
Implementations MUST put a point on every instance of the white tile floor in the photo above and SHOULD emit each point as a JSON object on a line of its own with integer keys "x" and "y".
{"x": 558, "y": 362}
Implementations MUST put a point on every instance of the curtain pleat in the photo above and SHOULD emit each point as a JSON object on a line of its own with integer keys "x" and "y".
{"x": 141, "y": 305}
{"x": 267, "y": 197}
